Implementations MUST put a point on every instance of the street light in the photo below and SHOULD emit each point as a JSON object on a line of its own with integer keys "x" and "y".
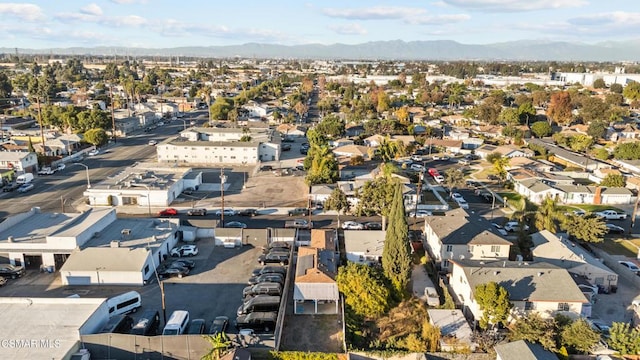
{"x": 86, "y": 168}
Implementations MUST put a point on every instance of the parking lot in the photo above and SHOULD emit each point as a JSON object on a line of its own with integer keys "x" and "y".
{"x": 213, "y": 288}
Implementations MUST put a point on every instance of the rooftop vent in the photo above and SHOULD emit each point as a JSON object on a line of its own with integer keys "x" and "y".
{"x": 115, "y": 244}
{"x": 126, "y": 232}
{"x": 10, "y": 239}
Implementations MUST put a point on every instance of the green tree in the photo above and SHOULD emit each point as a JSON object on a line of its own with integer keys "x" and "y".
{"x": 5, "y": 86}
{"x": 632, "y": 91}
{"x": 627, "y": 151}
{"x": 331, "y": 126}
{"x": 592, "y": 109}
{"x": 337, "y": 201}
{"x": 547, "y": 214}
{"x": 321, "y": 165}
{"x": 453, "y": 178}
{"x": 219, "y": 343}
{"x": 500, "y": 166}
{"x": 491, "y": 158}
{"x": 220, "y": 108}
{"x": 597, "y": 129}
{"x": 493, "y": 300}
{"x": 95, "y": 137}
{"x": 599, "y": 84}
{"x": 613, "y": 180}
{"x": 541, "y": 129}
{"x": 535, "y": 329}
{"x": 624, "y": 339}
{"x": 388, "y": 149}
{"x": 581, "y": 142}
{"x": 600, "y": 154}
{"x": 364, "y": 289}
{"x": 579, "y": 336}
{"x": 396, "y": 255}
{"x": 588, "y": 228}
{"x": 616, "y": 88}
{"x": 30, "y": 146}
{"x": 526, "y": 112}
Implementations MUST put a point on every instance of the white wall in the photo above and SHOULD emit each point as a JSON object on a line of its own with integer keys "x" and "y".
{"x": 95, "y": 322}
{"x": 104, "y": 277}
{"x": 207, "y": 153}
{"x": 269, "y": 152}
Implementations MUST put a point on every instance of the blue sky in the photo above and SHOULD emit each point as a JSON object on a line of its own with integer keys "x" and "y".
{"x": 163, "y": 23}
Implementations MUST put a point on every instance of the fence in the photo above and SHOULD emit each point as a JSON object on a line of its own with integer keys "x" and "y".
{"x": 277, "y": 334}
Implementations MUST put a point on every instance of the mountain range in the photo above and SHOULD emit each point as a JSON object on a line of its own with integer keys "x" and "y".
{"x": 524, "y": 50}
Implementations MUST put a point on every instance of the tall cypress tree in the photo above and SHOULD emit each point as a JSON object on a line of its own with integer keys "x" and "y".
{"x": 396, "y": 257}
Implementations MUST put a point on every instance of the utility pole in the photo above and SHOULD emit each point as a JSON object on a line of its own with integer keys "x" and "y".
{"x": 113, "y": 117}
{"x": 164, "y": 306}
{"x": 418, "y": 195}
{"x": 633, "y": 215}
{"x": 44, "y": 148}
{"x": 223, "y": 178}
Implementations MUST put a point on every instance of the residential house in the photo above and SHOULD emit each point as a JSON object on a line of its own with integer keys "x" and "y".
{"x": 457, "y": 236}
{"x": 533, "y": 287}
{"x": 320, "y": 193}
{"x": 354, "y": 131}
{"x": 536, "y": 191}
{"x": 315, "y": 290}
{"x": 561, "y": 252}
{"x": 352, "y": 151}
{"x": 450, "y": 146}
{"x": 568, "y": 158}
{"x": 340, "y": 142}
{"x": 364, "y": 247}
{"x": 291, "y": 130}
{"x": 624, "y": 132}
{"x": 19, "y": 162}
{"x": 377, "y": 140}
{"x": 144, "y": 185}
{"x": 508, "y": 151}
{"x": 523, "y": 350}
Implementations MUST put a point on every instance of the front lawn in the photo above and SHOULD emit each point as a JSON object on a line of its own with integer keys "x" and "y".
{"x": 588, "y": 207}
{"x": 620, "y": 246}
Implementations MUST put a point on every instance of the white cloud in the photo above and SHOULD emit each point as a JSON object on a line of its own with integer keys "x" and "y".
{"x": 373, "y": 13}
{"x": 438, "y": 19}
{"x": 125, "y": 2}
{"x": 91, "y": 9}
{"x": 515, "y": 5}
{"x": 615, "y": 18}
{"x": 28, "y": 12}
{"x": 603, "y": 25}
{"x": 348, "y": 29}
{"x": 176, "y": 28}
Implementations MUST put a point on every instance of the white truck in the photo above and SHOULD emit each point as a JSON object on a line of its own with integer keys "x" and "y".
{"x": 25, "y": 178}
{"x": 611, "y": 215}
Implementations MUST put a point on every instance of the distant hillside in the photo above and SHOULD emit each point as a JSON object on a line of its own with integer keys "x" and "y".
{"x": 384, "y": 50}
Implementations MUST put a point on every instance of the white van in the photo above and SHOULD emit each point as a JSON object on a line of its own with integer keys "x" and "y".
{"x": 124, "y": 303}
{"x": 24, "y": 178}
{"x": 177, "y": 323}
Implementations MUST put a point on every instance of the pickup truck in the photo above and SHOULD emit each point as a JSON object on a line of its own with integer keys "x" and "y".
{"x": 611, "y": 215}
{"x": 298, "y": 212}
{"x": 298, "y": 224}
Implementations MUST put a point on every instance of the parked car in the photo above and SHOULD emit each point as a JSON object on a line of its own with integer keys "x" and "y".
{"x": 372, "y": 225}
{"x": 184, "y": 250}
{"x": 25, "y": 188}
{"x": 416, "y": 157}
{"x": 420, "y": 213}
{"x": 11, "y": 271}
{"x": 600, "y": 326}
{"x": 352, "y": 225}
{"x": 416, "y": 167}
{"x": 227, "y": 212}
{"x": 298, "y": 211}
{"x": 265, "y": 321}
{"x": 628, "y": 264}
{"x": 219, "y": 325}
{"x": 456, "y": 195}
{"x": 196, "y": 326}
{"x": 286, "y": 147}
{"x": 10, "y": 187}
{"x": 611, "y": 215}
{"x": 168, "y": 212}
{"x": 170, "y": 272}
{"x": 236, "y": 224}
{"x": 266, "y": 168}
{"x": 197, "y": 212}
{"x": 269, "y": 277}
{"x": 614, "y": 229}
{"x": 188, "y": 191}
{"x": 281, "y": 258}
{"x": 189, "y": 264}
{"x": 153, "y": 142}
{"x": 269, "y": 269}
{"x": 462, "y": 203}
{"x": 499, "y": 229}
{"x": 46, "y": 171}
{"x": 512, "y": 226}
{"x": 248, "y": 212}
{"x": 94, "y": 152}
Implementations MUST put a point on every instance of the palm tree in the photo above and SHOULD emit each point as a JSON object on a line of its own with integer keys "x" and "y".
{"x": 547, "y": 215}
{"x": 337, "y": 201}
{"x": 387, "y": 149}
{"x": 219, "y": 343}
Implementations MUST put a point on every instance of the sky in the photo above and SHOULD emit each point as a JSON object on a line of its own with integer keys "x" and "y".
{"x": 41, "y": 24}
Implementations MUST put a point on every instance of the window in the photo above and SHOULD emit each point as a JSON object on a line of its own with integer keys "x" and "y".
{"x": 563, "y": 307}
{"x": 445, "y": 264}
{"x": 495, "y": 248}
{"x": 528, "y": 305}
{"x": 470, "y": 248}
{"x": 449, "y": 248}
{"x": 146, "y": 269}
{"x": 127, "y": 303}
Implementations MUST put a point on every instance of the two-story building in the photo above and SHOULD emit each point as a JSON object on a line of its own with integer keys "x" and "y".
{"x": 457, "y": 236}
{"x": 19, "y": 161}
{"x": 532, "y": 287}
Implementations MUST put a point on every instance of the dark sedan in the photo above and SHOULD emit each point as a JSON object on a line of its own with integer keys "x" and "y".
{"x": 174, "y": 272}
{"x": 219, "y": 325}
{"x": 248, "y": 212}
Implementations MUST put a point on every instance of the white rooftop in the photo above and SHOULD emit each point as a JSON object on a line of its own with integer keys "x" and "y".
{"x": 43, "y": 328}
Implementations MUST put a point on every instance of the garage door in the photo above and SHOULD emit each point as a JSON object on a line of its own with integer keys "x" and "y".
{"x": 4, "y": 258}
{"x": 79, "y": 280}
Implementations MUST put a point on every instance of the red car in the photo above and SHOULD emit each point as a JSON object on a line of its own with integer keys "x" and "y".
{"x": 168, "y": 212}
